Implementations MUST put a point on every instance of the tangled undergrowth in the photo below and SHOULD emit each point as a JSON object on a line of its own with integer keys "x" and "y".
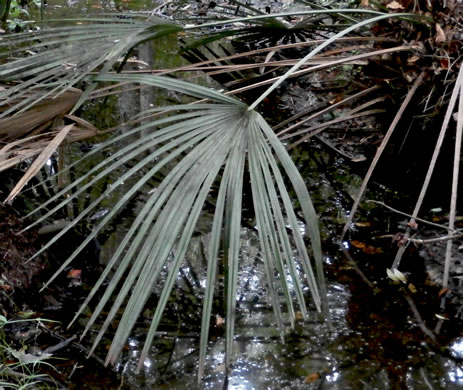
{"x": 374, "y": 91}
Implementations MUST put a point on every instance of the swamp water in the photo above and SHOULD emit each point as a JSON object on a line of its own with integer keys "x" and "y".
{"x": 378, "y": 333}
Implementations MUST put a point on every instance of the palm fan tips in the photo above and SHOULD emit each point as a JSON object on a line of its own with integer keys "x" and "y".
{"x": 58, "y": 58}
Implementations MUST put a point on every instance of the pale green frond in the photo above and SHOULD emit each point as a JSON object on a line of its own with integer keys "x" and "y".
{"x": 181, "y": 144}
{"x": 172, "y": 84}
{"x": 221, "y": 150}
{"x": 163, "y": 234}
{"x": 310, "y": 216}
{"x": 264, "y": 224}
{"x": 281, "y": 239}
{"x": 207, "y": 144}
{"x": 212, "y": 260}
{"x": 72, "y": 59}
{"x": 132, "y": 150}
{"x": 232, "y": 229}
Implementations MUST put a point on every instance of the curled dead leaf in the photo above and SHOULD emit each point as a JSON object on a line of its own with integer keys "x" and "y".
{"x": 74, "y": 273}
{"x": 440, "y": 34}
{"x": 395, "y": 5}
{"x": 395, "y": 275}
{"x": 315, "y": 376}
{"x": 412, "y": 59}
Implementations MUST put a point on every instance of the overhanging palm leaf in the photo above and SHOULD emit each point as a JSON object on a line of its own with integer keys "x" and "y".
{"x": 58, "y": 58}
{"x": 220, "y": 140}
{"x": 71, "y": 53}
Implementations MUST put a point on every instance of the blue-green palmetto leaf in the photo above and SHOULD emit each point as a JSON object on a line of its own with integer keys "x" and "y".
{"x": 221, "y": 139}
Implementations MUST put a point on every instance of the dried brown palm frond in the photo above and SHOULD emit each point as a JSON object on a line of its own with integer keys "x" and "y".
{"x": 40, "y": 130}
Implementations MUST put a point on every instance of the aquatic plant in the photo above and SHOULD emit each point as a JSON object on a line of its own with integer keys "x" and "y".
{"x": 25, "y": 373}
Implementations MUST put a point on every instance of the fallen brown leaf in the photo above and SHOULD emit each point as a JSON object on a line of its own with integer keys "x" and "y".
{"x": 312, "y": 377}
{"x": 74, "y": 273}
{"x": 394, "y": 5}
{"x": 440, "y": 34}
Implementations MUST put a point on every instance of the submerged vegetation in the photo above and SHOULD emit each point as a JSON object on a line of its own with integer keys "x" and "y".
{"x": 221, "y": 152}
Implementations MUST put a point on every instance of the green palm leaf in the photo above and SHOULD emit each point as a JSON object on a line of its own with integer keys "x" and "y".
{"x": 63, "y": 56}
{"x": 220, "y": 140}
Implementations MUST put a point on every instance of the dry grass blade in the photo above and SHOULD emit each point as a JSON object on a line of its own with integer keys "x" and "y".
{"x": 379, "y": 152}
{"x": 319, "y": 113}
{"x": 39, "y": 162}
{"x": 328, "y": 64}
{"x": 314, "y": 130}
{"x": 251, "y": 53}
{"x": 22, "y": 149}
{"x": 453, "y": 199}
{"x": 432, "y": 164}
{"x": 324, "y": 66}
{"x": 82, "y": 122}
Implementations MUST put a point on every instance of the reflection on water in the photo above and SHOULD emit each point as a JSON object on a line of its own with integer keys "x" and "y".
{"x": 456, "y": 348}
{"x": 456, "y": 375}
{"x": 359, "y": 350}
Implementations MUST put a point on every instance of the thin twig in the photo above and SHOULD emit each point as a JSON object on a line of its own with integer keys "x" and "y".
{"x": 218, "y": 69}
{"x": 268, "y": 49}
{"x": 408, "y": 215}
{"x": 327, "y": 109}
{"x": 60, "y": 345}
{"x": 421, "y": 241}
{"x": 97, "y": 94}
{"x": 437, "y": 239}
{"x": 419, "y": 320}
{"x": 317, "y": 129}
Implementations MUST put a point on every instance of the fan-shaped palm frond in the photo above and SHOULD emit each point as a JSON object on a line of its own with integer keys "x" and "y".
{"x": 217, "y": 142}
